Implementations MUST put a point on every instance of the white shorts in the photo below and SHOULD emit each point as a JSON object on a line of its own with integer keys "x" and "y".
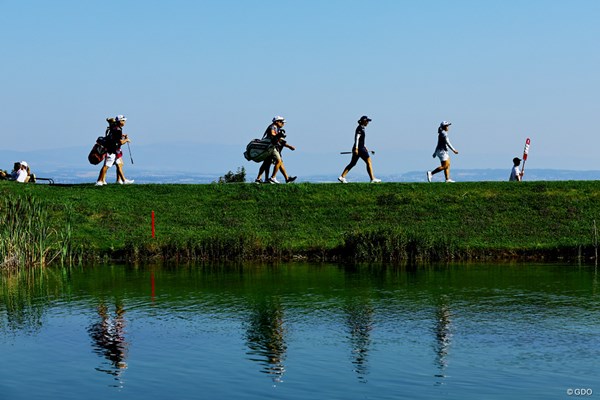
{"x": 112, "y": 159}
{"x": 443, "y": 155}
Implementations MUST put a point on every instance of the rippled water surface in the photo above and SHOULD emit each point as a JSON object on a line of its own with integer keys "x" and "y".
{"x": 300, "y": 331}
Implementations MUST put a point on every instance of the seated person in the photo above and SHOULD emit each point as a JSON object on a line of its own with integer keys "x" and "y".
{"x": 23, "y": 172}
{"x": 15, "y": 171}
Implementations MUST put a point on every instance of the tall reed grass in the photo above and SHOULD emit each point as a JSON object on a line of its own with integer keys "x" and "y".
{"x": 236, "y": 247}
{"x": 388, "y": 245}
{"x": 27, "y": 238}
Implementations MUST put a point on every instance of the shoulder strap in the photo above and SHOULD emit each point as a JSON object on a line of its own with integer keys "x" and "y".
{"x": 267, "y": 133}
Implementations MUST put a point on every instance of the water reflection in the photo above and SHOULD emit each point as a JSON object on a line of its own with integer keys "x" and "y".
{"x": 443, "y": 336}
{"x": 359, "y": 320}
{"x": 265, "y": 337}
{"x": 18, "y": 309}
{"x": 353, "y": 332}
{"x": 108, "y": 336}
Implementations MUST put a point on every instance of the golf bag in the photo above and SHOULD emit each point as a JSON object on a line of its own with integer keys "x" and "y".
{"x": 98, "y": 152}
{"x": 258, "y": 150}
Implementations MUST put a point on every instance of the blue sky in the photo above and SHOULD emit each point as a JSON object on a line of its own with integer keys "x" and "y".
{"x": 211, "y": 75}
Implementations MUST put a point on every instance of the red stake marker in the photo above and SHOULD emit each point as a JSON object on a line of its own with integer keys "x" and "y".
{"x": 153, "y": 224}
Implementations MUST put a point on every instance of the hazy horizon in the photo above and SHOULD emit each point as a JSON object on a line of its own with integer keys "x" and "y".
{"x": 207, "y": 163}
{"x": 215, "y": 73}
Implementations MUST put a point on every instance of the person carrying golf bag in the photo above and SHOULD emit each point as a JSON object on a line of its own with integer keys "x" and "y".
{"x": 276, "y": 134}
{"x": 115, "y": 138}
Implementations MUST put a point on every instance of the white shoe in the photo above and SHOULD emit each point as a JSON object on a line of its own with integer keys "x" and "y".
{"x": 128, "y": 181}
{"x": 100, "y": 183}
{"x": 449, "y": 181}
{"x": 273, "y": 180}
{"x": 120, "y": 182}
{"x": 375, "y": 180}
{"x": 342, "y": 179}
{"x": 429, "y": 175}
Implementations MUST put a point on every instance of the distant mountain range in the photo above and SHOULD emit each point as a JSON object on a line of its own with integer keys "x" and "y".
{"x": 471, "y": 175}
{"x": 201, "y": 163}
{"x": 474, "y": 175}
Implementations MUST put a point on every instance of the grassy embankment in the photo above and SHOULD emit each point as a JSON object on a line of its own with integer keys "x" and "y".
{"x": 386, "y": 222}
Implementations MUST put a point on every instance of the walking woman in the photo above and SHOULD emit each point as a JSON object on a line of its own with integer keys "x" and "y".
{"x": 276, "y": 134}
{"x": 359, "y": 150}
{"x": 115, "y": 138}
{"x": 441, "y": 151}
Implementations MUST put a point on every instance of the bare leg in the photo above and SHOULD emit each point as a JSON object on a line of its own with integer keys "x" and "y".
{"x": 102, "y": 175}
{"x": 444, "y": 167}
{"x": 283, "y": 172}
{"x": 278, "y": 165}
{"x": 369, "y": 168}
{"x": 120, "y": 174}
{"x": 264, "y": 168}
{"x": 447, "y": 170}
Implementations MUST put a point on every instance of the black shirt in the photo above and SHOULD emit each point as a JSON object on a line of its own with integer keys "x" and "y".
{"x": 359, "y": 137}
{"x": 113, "y": 139}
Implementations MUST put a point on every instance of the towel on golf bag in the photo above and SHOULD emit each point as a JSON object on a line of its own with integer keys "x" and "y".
{"x": 98, "y": 152}
{"x": 258, "y": 150}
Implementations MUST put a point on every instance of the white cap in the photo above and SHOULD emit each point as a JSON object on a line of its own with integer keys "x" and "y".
{"x": 23, "y": 163}
{"x": 445, "y": 123}
{"x": 278, "y": 118}
{"x": 120, "y": 118}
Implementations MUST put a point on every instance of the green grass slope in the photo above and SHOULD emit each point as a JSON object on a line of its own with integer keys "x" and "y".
{"x": 390, "y": 221}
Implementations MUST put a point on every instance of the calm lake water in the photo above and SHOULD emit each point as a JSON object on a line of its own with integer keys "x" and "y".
{"x": 301, "y": 331}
